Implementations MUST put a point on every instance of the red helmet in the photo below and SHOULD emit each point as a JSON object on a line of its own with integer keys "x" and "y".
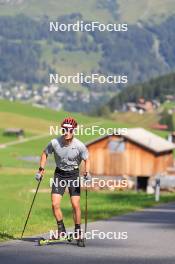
{"x": 69, "y": 123}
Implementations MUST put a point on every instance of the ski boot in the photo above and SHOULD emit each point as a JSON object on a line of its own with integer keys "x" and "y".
{"x": 79, "y": 236}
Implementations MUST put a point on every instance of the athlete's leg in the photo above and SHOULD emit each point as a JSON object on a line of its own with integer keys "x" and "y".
{"x": 58, "y": 189}
{"x": 75, "y": 201}
{"x": 56, "y": 202}
{"x": 74, "y": 191}
{"x": 57, "y": 193}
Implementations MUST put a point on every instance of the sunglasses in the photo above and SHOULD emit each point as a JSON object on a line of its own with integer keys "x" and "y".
{"x": 67, "y": 129}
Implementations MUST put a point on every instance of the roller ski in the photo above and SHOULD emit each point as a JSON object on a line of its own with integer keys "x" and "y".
{"x": 44, "y": 242}
{"x": 61, "y": 236}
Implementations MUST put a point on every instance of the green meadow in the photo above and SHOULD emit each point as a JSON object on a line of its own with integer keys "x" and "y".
{"x": 18, "y": 165}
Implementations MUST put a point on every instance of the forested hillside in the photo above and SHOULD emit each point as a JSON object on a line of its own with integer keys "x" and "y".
{"x": 25, "y": 42}
{"x": 29, "y": 52}
{"x": 157, "y": 88}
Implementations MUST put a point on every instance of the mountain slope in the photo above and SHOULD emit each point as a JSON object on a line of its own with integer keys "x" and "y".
{"x": 130, "y": 11}
{"x": 29, "y": 52}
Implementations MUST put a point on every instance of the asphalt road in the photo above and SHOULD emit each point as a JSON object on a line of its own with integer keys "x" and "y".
{"x": 151, "y": 239}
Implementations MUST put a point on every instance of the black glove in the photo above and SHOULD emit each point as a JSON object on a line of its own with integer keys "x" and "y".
{"x": 39, "y": 175}
{"x": 87, "y": 177}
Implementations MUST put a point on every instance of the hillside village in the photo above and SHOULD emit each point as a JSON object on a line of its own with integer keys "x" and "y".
{"x": 56, "y": 98}
{"x": 52, "y": 97}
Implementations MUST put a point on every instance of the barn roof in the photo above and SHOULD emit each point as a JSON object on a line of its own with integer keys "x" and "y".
{"x": 145, "y": 139}
{"x": 149, "y": 140}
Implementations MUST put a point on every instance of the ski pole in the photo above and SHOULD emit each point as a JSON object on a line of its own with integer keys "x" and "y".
{"x": 31, "y": 206}
{"x": 88, "y": 178}
{"x": 86, "y": 212}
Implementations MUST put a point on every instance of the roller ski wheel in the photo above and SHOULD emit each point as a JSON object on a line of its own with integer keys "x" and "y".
{"x": 42, "y": 242}
{"x": 70, "y": 237}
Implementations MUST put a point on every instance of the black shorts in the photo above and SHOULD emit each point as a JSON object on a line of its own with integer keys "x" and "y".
{"x": 63, "y": 179}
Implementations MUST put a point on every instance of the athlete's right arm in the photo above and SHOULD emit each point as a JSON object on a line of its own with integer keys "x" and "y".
{"x": 43, "y": 160}
{"x": 48, "y": 150}
{"x": 39, "y": 175}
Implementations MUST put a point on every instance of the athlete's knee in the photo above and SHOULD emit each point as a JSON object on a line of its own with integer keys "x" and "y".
{"x": 55, "y": 206}
{"x": 76, "y": 205}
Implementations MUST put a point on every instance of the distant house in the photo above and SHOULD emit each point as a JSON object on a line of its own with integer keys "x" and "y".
{"x": 146, "y": 106}
{"x": 142, "y": 106}
{"x": 170, "y": 97}
{"x": 18, "y": 132}
{"x": 131, "y": 107}
{"x": 139, "y": 154}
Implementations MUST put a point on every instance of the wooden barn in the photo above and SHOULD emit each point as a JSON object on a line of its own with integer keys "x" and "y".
{"x": 139, "y": 153}
{"x": 18, "y": 132}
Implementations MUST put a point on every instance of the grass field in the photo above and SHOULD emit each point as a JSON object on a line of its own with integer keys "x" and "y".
{"x": 17, "y": 174}
{"x": 28, "y": 110}
{"x": 169, "y": 106}
{"x": 135, "y": 119}
{"x": 16, "y": 196}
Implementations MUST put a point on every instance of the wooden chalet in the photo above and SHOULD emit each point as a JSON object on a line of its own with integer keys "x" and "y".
{"x": 139, "y": 153}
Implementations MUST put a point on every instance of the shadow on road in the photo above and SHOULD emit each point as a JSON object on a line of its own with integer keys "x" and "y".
{"x": 30, "y": 239}
{"x": 162, "y": 214}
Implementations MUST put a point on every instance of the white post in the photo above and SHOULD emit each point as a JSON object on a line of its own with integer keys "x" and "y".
{"x": 157, "y": 190}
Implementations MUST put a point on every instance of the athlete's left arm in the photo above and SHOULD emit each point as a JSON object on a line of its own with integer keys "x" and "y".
{"x": 86, "y": 167}
{"x": 84, "y": 154}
